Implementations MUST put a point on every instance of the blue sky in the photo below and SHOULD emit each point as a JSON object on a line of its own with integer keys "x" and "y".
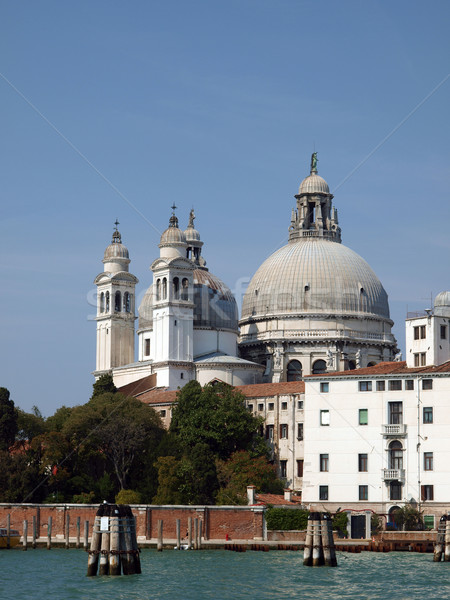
{"x": 216, "y": 105}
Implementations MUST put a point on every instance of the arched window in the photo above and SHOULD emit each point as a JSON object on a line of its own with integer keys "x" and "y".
{"x": 158, "y": 289}
{"x": 294, "y": 370}
{"x": 117, "y": 301}
{"x": 372, "y": 364}
{"x": 107, "y": 302}
{"x": 395, "y": 455}
{"x": 176, "y": 288}
{"x": 164, "y": 288}
{"x": 320, "y": 366}
{"x": 102, "y": 302}
{"x": 185, "y": 289}
{"x": 126, "y": 302}
{"x": 351, "y": 365}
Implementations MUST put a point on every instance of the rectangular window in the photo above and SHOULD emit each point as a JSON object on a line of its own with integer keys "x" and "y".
{"x": 147, "y": 348}
{"x": 260, "y": 407}
{"x": 409, "y": 384}
{"x": 443, "y": 332}
{"x": 362, "y": 463}
{"x": 323, "y": 492}
{"x": 427, "y": 414}
{"x": 363, "y": 416}
{"x": 323, "y": 462}
{"x": 324, "y": 417}
{"x": 269, "y": 432}
{"x": 270, "y": 406}
{"x": 162, "y": 413}
{"x": 420, "y": 332}
{"x": 381, "y": 386}
{"x": 299, "y": 431}
{"x": 395, "y": 385}
{"x": 299, "y": 468}
{"x": 427, "y": 461}
{"x": 363, "y": 492}
{"x": 324, "y": 387}
{"x": 250, "y": 407}
{"x": 283, "y": 431}
{"x": 395, "y": 413}
{"x": 427, "y": 384}
{"x": 417, "y": 360}
{"x": 300, "y": 405}
{"x": 395, "y": 490}
{"x": 284, "y": 406}
{"x": 427, "y": 492}
{"x": 365, "y": 386}
{"x": 283, "y": 468}
{"x": 428, "y": 521}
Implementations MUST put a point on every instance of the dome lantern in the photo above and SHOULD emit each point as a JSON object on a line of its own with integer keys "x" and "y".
{"x": 315, "y": 215}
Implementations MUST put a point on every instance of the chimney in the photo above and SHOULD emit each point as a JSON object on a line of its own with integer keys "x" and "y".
{"x": 251, "y": 494}
{"x": 288, "y": 495}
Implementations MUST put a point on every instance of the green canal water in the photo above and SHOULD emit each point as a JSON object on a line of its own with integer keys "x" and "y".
{"x": 217, "y": 574}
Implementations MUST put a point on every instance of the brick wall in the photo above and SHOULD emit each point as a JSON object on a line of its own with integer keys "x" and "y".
{"x": 238, "y": 522}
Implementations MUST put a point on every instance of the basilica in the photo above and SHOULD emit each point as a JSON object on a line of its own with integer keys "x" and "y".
{"x": 347, "y": 421}
{"x": 314, "y": 306}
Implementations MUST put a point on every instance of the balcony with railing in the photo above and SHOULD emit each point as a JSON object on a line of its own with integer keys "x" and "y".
{"x": 398, "y": 430}
{"x": 393, "y": 474}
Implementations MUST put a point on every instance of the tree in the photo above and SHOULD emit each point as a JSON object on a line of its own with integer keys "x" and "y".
{"x": 8, "y": 420}
{"x": 118, "y": 429}
{"x": 104, "y": 385}
{"x": 408, "y": 518}
{"x": 30, "y": 425}
{"x": 216, "y": 416}
{"x": 241, "y": 470}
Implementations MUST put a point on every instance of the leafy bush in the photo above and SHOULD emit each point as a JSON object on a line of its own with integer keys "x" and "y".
{"x": 340, "y": 521}
{"x": 285, "y": 519}
{"x": 376, "y": 523}
{"x": 84, "y": 498}
{"x": 128, "y": 497}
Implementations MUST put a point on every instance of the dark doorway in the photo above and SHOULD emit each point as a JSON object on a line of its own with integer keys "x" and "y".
{"x": 358, "y": 527}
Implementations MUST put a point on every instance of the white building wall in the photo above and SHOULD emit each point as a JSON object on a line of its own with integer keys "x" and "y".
{"x": 207, "y": 341}
{"x": 344, "y": 439}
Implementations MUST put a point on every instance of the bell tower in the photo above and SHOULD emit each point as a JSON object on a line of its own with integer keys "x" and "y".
{"x": 115, "y": 308}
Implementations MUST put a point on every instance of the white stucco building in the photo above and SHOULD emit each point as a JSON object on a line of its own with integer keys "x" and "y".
{"x": 378, "y": 437}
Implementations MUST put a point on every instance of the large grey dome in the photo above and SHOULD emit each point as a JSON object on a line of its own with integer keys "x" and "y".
{"x": 314, "y": 276}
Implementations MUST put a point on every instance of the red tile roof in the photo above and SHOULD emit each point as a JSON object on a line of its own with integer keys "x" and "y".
{"x": 158, "y": 396}
{"x": 278, "y": 500}
{"x": 257, "y": 390}
{"x": 272, "y": 389}
{"x": 387, "y": 368}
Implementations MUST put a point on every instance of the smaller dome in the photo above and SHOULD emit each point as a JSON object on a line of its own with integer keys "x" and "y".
{"x": 173, "y": 235}
{"x": 442, "y": 304}
{"x": 314, "y": 184}
{"x": 442, "y": 299}
{"x": 192, "y": 235}
{"x": 145, "y": 310}
{"x": 116, "y": 250}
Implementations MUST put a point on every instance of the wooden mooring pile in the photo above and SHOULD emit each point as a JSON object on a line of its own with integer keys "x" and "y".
{"x": 114, "y": 548}
{"x": 319, "y": 543}
{"x": 442, "y": 546}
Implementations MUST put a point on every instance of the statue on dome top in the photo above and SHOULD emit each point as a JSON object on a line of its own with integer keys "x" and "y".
{"x": 314, "y": 162}
{"x": 191, "y": 218}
